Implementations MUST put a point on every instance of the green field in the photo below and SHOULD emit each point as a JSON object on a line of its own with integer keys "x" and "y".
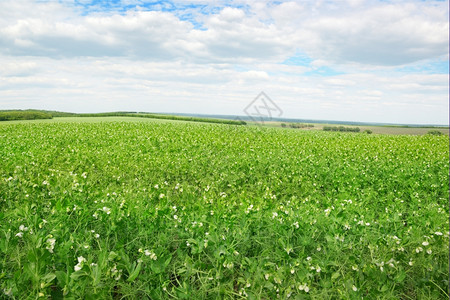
{"x": 153, "y": 209}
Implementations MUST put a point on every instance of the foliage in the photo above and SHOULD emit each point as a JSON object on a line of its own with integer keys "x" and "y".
{"x": 191, "y": 119}
{"x": 368, "y": 131}
{"x": 300, "y": 125}
{"x": 434, "y": 132}
{"x": 13, "y": 115}
{"x": 341, "y": 128}
{"x": 166, "y": 117}
{"x": 208, "y": 211}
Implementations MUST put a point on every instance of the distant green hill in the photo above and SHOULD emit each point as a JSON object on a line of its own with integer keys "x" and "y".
{"x": 12, "y": 115}
{"x": 30, "y": 114}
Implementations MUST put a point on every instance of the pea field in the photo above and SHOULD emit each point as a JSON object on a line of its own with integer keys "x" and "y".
{"x": 178, "y": 210}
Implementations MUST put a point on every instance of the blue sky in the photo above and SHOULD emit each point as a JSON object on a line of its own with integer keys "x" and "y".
{"x": 315, "y": 59}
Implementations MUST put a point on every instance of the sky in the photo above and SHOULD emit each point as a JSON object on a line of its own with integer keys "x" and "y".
{"x": 350, "y": 60}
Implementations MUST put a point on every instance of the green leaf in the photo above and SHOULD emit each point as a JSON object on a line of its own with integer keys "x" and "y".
{"x": 335, "y": 275}
{"x": 167, "y": 261}
{"x": 384, "y": 288}
{"x": 62, "y": 277}
{"x": 112, "y": 255}
{"x": 96, "y": 275}
{"x": 78, "y": 274}
{"x": 400, "y": 276}
{"x": 329, "y": 239}
{"x": 49, "y": 277}
{"x": 135, "y": 273}
{"x": 39, "y": 243}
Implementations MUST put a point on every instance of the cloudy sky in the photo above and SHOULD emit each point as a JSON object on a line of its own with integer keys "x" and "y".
{"x": 354, "y": 60}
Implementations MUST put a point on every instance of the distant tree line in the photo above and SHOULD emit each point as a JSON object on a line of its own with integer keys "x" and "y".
{"x": 166, "y": 117}
{"x": 192, "y": 119}
{"x": 341, "y": 128}
{"x": 297, "y": 125}
{"x": 12, "y": 115}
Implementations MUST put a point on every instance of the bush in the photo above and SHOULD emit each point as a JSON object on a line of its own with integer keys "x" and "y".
{"x": 341, "y": 128}
{"x": 283, "y": 125}
{"x": 300, "y": 125}
{"x": 434, "y": 132}
{"x": 368, "y": 131}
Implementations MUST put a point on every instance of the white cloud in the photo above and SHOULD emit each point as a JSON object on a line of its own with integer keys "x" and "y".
{"x": 382, "y": 34}
{"x": 390, "y": 34}
{"x": 54, "y": 57}
{"x": 339, "y": 81}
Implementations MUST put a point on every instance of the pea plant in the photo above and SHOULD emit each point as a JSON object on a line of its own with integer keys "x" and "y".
{"x": 115, "y": 210}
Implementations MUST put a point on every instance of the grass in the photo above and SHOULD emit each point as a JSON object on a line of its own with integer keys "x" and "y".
{"x": 163, "y": 209}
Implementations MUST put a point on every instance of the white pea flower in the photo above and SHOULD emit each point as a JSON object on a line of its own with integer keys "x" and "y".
{"x": 151, "y": 254}
{"x": 50, "y": 245}
{"x": 79, "y": 265}
{"x": 303, "y": 287}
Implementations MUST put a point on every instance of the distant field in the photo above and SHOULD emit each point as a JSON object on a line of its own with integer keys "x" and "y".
{"x": 375, "y": 129}
{"x": 133, "y": 117}
{"x": 112, "y": 209}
